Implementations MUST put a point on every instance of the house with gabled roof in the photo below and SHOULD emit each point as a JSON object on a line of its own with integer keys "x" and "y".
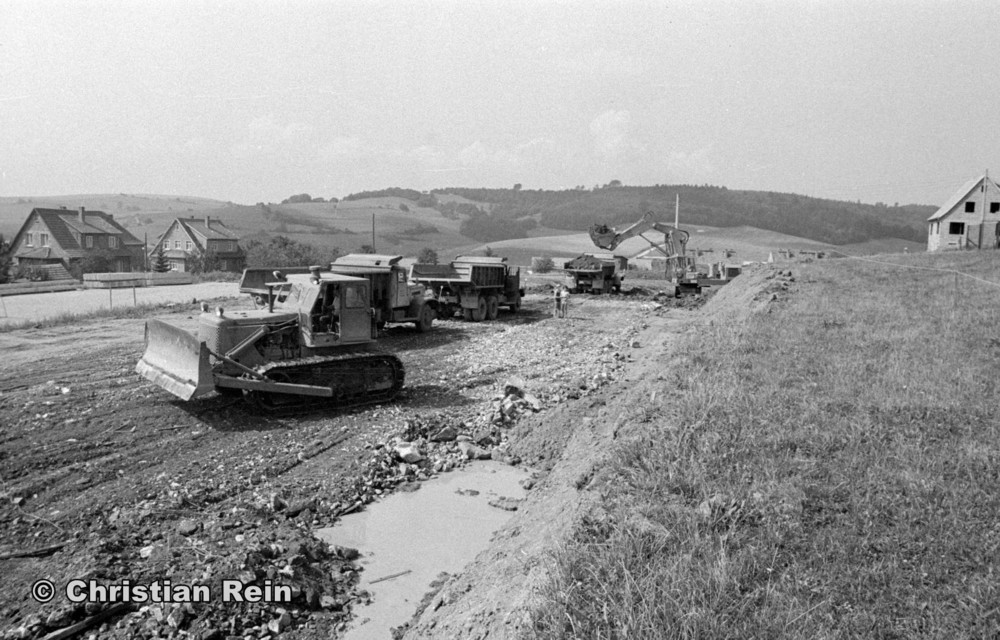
{"x": 970, "y": 219}
{"x": 190, "y": 240}
{"x": 67, "y": 237}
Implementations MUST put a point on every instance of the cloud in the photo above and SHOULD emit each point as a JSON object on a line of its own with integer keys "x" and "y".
{"x": 695, "y": 165}
{"x": 609, "y": 132}
{"x": 343, "y": 147}
{"x": 265, "y": 136}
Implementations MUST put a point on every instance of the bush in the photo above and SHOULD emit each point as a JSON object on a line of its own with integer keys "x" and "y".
{"x": 36, "y": 274}
{"x": 544, "y": 265}
{"x": 280, "y": 251}
{"x": 427, "y": 256}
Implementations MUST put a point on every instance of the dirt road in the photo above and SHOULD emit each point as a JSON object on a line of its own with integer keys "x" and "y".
{"x": 39, "y": 306}
{"x": 132, "y": 485}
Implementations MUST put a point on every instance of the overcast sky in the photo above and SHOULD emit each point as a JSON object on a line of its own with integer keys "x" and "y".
{"x": 256, "y": 101}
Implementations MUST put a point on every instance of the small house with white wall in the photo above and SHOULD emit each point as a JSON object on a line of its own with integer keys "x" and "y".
{"x": 189, "y": 240}
{"x": 970, "y": 219}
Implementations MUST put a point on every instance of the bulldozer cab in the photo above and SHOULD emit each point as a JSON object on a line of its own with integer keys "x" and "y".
{"x": 333, "y": 310}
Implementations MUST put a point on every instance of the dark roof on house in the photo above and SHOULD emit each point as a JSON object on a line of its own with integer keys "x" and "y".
{"x": 200, "y": 233}
{"x": 62, "y": 222}
{"x": 214, "y": 230}
{"x": 40, "y": 253}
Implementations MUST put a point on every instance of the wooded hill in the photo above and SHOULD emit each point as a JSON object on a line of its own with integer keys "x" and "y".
{"x": 499, "y": 214}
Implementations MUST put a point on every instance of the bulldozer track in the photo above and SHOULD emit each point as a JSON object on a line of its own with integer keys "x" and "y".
{"x": 358, "y": 378}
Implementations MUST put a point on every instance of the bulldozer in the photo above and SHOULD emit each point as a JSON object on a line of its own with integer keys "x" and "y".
{"x": 312, "y": 344}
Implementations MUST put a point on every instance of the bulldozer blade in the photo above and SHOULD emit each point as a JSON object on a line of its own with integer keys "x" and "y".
{"x": 176, "y": 360}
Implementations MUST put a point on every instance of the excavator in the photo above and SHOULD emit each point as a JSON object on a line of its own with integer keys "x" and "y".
{"x": 311, "y": 344}
{"x": 679, "y": 267}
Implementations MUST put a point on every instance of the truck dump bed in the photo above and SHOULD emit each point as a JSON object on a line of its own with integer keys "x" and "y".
{"x": 474, "y": 270}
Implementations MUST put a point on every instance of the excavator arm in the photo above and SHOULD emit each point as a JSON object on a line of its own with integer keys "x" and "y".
{"x": 608, "y": 238}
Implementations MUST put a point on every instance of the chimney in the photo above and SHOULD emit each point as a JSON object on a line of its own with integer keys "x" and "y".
{"x": 208, "y": 221}
{"x": 83, "y": 215}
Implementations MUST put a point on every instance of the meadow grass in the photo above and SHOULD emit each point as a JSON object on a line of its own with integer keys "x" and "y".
{"x": 825, "y": 468}
{"x": 115, "y": 313}
{"x": 143, "y": 310}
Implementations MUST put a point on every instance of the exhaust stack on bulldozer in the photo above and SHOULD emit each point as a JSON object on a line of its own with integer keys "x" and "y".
{"x": 313, "y": 341}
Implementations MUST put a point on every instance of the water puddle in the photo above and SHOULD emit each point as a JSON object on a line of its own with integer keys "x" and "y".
{"x": 440, "y": 527}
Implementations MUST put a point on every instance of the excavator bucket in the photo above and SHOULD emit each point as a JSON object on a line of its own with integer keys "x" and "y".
{"x": 603, "y": 236}
{"x": 176, "y": 360}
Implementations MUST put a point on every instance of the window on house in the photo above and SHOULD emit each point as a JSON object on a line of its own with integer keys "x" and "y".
{"x": 44, "y": 239}
{"x": 112, "y": 242}
{"x": 223, "y": 265}
{"x": 956, "y": 228}
{"x": 994, "y": 207}
{"x": 177, "y": 244}
{"x": 89, "y": 241}
{"x": 970, "y": 207}
{"x": 29, "y": 240}
{"x": 187, "y": 245}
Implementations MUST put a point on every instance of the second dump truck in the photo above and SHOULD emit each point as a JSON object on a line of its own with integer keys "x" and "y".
{"x": 596, "y": 273}
{"x": 475, "y": 285}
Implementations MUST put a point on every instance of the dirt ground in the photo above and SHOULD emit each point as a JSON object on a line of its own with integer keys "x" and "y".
{"x": 105, "y": 477}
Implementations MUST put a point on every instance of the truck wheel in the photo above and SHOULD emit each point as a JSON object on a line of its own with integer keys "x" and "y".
{"x": 426, "y": 319}
{"x": 514, "y": 308}
{"x": 492, "y": 308}
{"x": 479, "y": 314}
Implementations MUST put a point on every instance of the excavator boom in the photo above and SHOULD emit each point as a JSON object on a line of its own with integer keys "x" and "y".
{"x": 608, "y": 238}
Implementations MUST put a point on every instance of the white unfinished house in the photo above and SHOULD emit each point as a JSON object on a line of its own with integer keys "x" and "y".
{"x": 970, "y": 219}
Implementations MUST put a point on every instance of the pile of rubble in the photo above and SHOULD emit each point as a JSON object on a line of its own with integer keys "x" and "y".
{"x": 427, "y": 446}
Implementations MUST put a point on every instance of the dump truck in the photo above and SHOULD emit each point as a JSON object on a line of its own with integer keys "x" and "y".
{"x": 594, "y": 273}
{"x": 255, "y": 279}
{"x": 679, "y": 269}
{"x": 477, "y": 286}
{"x": 393, "y": 297}
{"x": 313, "y": 343}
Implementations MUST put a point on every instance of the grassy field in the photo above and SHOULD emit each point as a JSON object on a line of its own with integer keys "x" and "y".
{"x": 824, "y": 468}
{"x": 347, "y": 226}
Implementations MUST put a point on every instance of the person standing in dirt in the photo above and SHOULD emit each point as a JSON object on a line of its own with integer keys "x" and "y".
{"x": 563, "y": 303}
{"x": 557, "y": 300}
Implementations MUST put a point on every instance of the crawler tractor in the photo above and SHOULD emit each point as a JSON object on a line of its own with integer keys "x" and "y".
{"x": 312, "y": 343}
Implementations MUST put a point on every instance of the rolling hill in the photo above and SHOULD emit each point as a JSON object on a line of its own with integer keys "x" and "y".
{"x": 522, "y": 224}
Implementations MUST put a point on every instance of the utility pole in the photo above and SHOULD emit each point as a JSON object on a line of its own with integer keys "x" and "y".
{"x": 373, "y": 232}
{"x": 982, "y": 225}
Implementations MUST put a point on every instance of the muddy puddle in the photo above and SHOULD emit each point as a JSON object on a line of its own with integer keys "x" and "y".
{"x": 407, "y": 539}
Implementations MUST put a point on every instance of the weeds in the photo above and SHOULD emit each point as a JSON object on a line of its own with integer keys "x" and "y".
{"x": 828, "y": 470}
{"x": 116, "y": 313}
